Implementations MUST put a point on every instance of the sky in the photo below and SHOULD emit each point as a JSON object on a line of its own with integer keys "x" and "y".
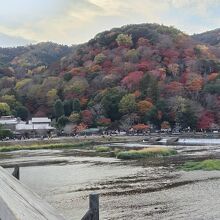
{"x": 77, "y": 21}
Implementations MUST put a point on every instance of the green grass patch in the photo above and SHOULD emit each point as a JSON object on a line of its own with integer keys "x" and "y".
{"x": 146, "y": 153}
{"x": 102, "y": 149}
{"x": 207, "y": 165}
{"x": 46, "y": 146}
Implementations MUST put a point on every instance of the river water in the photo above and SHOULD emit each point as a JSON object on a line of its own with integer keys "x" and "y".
{"x": 127, "y": 190}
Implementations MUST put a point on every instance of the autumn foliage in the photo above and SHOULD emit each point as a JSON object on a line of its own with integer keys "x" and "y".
{"x": 140, "y": 127}
{"x": 132, "y": 80}
{"x": 133, "y": 76}
{"x": 206, "y": 120}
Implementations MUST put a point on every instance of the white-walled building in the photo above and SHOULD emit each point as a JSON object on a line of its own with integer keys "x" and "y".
{"x": 35, "y": 126}
{"x": 9, "y": 122}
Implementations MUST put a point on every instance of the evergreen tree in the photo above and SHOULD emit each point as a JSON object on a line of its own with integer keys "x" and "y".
{"x": 76, "y": 105}
{"x": 58, "y": 108}
{"x": 68, "y": 107}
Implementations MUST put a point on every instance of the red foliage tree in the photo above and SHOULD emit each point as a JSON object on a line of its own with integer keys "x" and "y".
{"x": 104, "y": 122}
{"x": 206, "y": 120}
{"x": 145, "y": 66}
{"x": 132, "y": 79}
{"x": 87, "y": 117}
{"x": 174, "y": 87}
{"x": 171, "y": 56}
{"x": 159, "y": 73}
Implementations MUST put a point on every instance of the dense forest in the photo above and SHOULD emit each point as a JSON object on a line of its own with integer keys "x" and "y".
{"x": 210, "y": 37}
{"x": 133, "y": 76}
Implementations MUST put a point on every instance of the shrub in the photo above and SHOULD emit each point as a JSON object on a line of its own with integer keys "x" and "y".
{"x": 145, "y": 153}
{"x": 4, "y": 133}
{"x": 46, "y": 146}
{"x": 102, "y": 149}
{"x": 202, "y": 165}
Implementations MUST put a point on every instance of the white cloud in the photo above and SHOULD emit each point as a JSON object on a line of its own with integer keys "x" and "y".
{"x": 74, "y": 21}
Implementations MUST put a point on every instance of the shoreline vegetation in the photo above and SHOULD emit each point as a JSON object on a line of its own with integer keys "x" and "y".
{"x": 98, "y": 146}
{"x": 46, "y": 146}
{"x": 64, "y": 143}
{"x": 146, "y": 153}
{"x": 206, "y": 165}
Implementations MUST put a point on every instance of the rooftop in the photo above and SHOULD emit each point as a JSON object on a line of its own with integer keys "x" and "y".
{"x": 8, "y": 120}
{"x": 40, "y": 120}
{"x": 33, "y": 127}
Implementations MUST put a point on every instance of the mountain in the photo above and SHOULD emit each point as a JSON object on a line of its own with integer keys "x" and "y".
{"x": 137, "y": 74}
{"x": 26, "y": 59}
{"x": 11, "y": 41}
{"x": 209, "y": 37}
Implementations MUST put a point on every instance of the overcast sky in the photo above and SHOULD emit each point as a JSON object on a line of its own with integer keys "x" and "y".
{"x": 77, "y": 21}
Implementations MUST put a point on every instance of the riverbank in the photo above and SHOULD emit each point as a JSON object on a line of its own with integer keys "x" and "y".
{"x": 144, "y": 189}
{"x": 57, "y": 143}
{"x": 65, "y": 171}
{"x": 83, "y": 141}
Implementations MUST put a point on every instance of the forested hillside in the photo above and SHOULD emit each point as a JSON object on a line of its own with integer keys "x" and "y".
{"x": 138, "y": 74}
{"x": 210, "y": 37}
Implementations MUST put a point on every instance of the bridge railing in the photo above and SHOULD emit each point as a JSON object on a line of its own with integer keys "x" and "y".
{"x": 19, "y": 202}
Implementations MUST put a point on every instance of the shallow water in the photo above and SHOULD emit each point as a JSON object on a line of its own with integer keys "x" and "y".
{"x": 195, "y": 141}
{"x": 127, "y": 190}
{"x": 199, "y": 141}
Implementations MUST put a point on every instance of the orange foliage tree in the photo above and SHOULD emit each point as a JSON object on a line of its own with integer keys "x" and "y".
{"x": 144, "y": 106}
{"x": 140, "y": 127}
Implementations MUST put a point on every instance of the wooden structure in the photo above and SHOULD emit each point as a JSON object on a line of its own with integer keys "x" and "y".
{"x": 93, "y": 212}
{"x": 17, "y": 202}
{"x": 16, "y": 172}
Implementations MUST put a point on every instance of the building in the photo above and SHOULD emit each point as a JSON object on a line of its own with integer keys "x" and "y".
{"x": 35, "y": 127}
{"x": 9, "y": 122}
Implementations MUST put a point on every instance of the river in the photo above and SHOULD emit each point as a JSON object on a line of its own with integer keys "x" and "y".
{"x": 128, "y": 190}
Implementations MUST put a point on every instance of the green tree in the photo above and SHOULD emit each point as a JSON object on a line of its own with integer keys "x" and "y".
{"x": 67, "y": 77}
{"x": 110, "y": 103}
{"x": 213, "y": 88}
{"x": 144, "y": 85}
{"x": 4, "y": 109}
{"x": 68, "y": 107}
{"x": 127, "y": 104}
{"x": 5, "y": 133}
{"x": 99, "y": 58}
{"x": 149, "y": 87}
{"x": 21, "y": 112}
{"x": 51, "y": 97}
{"x": 58, "y": 108}
{"x": 10, "y": 100}
{"x": 124, "y": 40}
{"x": 76, "y": 86}
{"x": 74, "y": 118}
{"x": 187, "y": 118}
{"x": 132, "y": 56}
{"x": 76, "y": 105}
{"x": 62, "y": 121}
{"x": 152, "y": 117}
{"x": 153, "y": 90}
